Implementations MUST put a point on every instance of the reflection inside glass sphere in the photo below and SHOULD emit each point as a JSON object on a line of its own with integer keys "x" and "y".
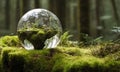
{"x": 39, "y": 28}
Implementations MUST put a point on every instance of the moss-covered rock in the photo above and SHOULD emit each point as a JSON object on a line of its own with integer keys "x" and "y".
{"x": 20, "y": 60}
{"x": 60, "y": 59}
{"x": 54, "y": 60}
{"x": 84, "y": 64}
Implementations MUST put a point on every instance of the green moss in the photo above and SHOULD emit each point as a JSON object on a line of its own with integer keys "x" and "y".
{"x": 114, "y": 56}
{"x": 9, "y": 41}
{"x": 61, "y": 59}
{"x": 85, "y": 64}
{"x": 16, "y": 61}
{"x": 71, "y": 51}
{"x": 54, "y": 60}
{"x": 20, "y": 60}
{"x": 77, "y": 64}
{"x": 108, "y": 49}
{"x": 6, "y": 58}
{"x": 75, "y": 51}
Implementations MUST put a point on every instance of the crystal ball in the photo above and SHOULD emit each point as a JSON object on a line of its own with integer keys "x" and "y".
{"x": 38, "y": 29}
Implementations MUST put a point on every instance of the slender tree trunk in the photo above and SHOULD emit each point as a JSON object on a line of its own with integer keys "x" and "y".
{"x": 115, "y": 12}
{"x": 37, "y": 3}
{"x": 26, "y": 5}
{"x": 98, "y": 26}
{"x": 94, "y": 17}
{"x": 84, "y": 16}
{"x": 7, "y": 14}
{"x": 53, "y": 6}
{"x": 61, "y": 12}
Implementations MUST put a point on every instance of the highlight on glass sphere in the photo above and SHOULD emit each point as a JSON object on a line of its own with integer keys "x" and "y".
{"x": 38, "y": 29}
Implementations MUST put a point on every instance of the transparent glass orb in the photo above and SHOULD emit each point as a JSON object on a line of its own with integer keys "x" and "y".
{"x": 38, "y": 29}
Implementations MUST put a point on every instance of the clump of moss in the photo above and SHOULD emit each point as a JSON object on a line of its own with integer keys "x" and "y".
{"x": 5, "y": 58}
{"x": 73, "y": 51}
{"x": 115, "y": 56}
{"x": 9, "y": 41}
{"x": 107, "y": 50}
{"x": 36, "y": 36}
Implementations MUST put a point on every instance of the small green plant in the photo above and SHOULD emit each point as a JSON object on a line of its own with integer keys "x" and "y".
{"x": 87, "y": 40}
{"x": 65, "y": 38}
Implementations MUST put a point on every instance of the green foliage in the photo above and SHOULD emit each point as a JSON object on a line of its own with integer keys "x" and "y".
{"x": 64, "y": 39}
{"x": 86, "y": 40}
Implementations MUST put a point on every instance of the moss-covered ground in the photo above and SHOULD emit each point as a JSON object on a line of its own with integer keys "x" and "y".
{"x": 98, "y": 58}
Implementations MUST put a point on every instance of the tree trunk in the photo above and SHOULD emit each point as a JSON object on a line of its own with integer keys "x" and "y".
{"x": 7, "y": 14}
{"x": 84, "y": 16}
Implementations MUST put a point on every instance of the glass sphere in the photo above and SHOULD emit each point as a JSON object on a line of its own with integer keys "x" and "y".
{"x": 38, "y": 29}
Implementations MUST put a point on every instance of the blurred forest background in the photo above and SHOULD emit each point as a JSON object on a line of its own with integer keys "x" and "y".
{"x": 93, "y": 17}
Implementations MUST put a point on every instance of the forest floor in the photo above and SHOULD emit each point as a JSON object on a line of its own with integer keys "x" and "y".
{"x": 93, "y": 58}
